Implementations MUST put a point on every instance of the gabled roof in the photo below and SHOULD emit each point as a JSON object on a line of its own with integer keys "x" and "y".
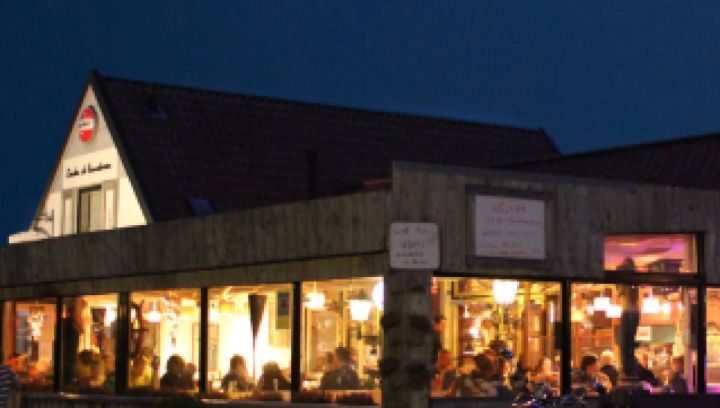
{"x": 688, "y": 162}
{"x": 241, "y": 151}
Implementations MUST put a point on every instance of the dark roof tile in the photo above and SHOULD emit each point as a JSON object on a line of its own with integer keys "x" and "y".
{"x": 243, "y": 151}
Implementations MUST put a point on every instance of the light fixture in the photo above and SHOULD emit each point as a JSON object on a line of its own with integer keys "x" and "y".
{"x": 153, "y": 315}
{"x": 613, "y": 311}
{"x": 666, "y": 308}
{"x": 188, "y": 302}
{"x": 110, "y": 315}
{"x": 213, "y": 315}
{"x": 474, "y": 332}
{"x": 601, "y": 303}
{"x": 226, "y": 307}
{"x": 650, "y": 304}
{"x": 315, "y": 300}
{"x": 590, "y": 309}
{"x": 504, "y": 291}
{"x": 378, "y": 295}
{"x": 360, "y": 306}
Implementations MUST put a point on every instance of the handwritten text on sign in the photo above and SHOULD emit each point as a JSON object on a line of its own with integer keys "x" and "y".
{"x": 414, "y": 245}
{"x": 507, "y": 227}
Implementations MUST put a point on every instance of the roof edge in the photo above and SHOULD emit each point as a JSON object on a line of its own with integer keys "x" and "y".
{"x": 96, "y": 82}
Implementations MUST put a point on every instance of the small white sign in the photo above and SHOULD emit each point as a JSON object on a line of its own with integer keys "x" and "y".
{"x": 414, "y": 245}
{"x": 509, "y": 227}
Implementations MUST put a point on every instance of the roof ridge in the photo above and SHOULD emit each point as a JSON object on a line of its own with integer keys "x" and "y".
{"x": 415, "y": 116}
{"x": 626, "y": 148}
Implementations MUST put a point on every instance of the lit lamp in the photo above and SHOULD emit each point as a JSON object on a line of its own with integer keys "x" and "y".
{"x": 153, "y": 315}
{"x": 650, "y": 304}
{"x": 360, "y": 306}
{"x": 315, "y": 300}
{"x": 601, "y": 303}
{"x": 613, "y": 311}
{"x": 504, "y": 291}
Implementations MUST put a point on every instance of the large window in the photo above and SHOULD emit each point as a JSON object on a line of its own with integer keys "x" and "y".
{"x": 29, "y": 336}
{"x": 647, "y": 332}
{"x": 89, "y": 334}
{"x": 341, "y": 338}
{"x": 654, "y": 253}
{"x": 249, "y": 339}
{"x": 713, "y": 341}
{"x": 164, "y": 340}
{"x": 493, "y": 337}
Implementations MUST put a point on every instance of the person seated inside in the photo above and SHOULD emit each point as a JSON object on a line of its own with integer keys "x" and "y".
{"x": 236, "y": 376}
{"x": 607, "y": 366}
{"x": 343, "y": 376}
{"x": 141, "y": 375}
{"x": 678, "y": 383}
{"x": 588, "y": 376}
{"x": 444, "y": 371}
{"x": 644, "y": 374}
{"x": 272, "y": 378}
{"x": 176, "y": 376}
{"x": 474, "y": 381}
{"x": 544, "y": 373}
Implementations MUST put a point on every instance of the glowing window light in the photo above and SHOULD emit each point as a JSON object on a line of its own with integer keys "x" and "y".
{"x": 504, "y": 291}
{"x": 153, "y": 315}
{"x": 360, "y": 307}
{"x": 601, "y": 303}
{"x": 650, "y": 305}
{"x": 666, "y": 308}
{"x": 315, "y": 300}
{"x": 614, "y": 311}
{"x": 378, "y": 295}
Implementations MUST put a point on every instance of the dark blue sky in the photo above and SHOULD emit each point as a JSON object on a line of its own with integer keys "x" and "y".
{"x": 593, "y": 74}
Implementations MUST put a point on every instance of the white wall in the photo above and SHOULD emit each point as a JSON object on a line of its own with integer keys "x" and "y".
{"x": 76, "y": 155}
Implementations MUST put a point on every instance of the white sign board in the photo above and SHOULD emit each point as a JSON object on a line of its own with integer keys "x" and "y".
{"x": 508, "y": 227}
{"x": 414, "y": 245}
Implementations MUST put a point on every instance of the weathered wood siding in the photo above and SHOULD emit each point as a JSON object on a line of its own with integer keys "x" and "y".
{"x": 230, "y": 243}
{"x": 582, "y": 212}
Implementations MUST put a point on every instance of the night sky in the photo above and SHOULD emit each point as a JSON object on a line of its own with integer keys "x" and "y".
{"x": 592, "y": 74}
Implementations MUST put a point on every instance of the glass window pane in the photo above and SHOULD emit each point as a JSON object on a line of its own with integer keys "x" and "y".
{"x": 249, "y": 338}
{"x": 648, "y": 331}
{"x": 667, "y": 253}
{"x": 341, "y": 339}
{"x": 89, "y": 333}
{"x": 495, "y": 337}
{"x": 712, "y": 373}
{"x": 29, "y": 335}
{"x": 164, "y": 340}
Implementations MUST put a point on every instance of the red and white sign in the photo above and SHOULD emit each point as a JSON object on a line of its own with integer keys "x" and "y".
{"x": 87, "y": 124}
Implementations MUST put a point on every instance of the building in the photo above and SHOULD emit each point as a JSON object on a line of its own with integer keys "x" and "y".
{"x": 324, "y": 271}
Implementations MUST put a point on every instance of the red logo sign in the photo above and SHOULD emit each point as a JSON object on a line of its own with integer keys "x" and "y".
{"x": 87, "y": 124}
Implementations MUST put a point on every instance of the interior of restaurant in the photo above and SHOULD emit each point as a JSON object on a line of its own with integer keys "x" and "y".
{"x": 665, "y": 335}
{"x": 164, "y": 339}
{"x": 89, "y": 335}
{"x": 29, "y": 328}
{"x": 513, "y": 324}
{"x": 249, "y": 339}
{"x": 341, "y": 336}
{"x": 712, "y": 374}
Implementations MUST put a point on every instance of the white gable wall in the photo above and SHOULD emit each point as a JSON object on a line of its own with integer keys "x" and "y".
{"x": 86, "y": 165}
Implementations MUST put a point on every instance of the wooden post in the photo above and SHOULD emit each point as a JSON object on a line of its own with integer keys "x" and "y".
{"x": 408, "y": 337}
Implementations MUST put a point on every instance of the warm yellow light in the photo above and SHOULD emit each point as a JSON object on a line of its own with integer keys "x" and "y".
{"x": 315, "y": 301}
{"x": 614, "y": 311}
{"x": 601, "y": 303}
{"x": 504, "y": 291}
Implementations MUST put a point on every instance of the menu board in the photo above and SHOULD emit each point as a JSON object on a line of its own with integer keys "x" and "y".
{"x": 509, "y": 227}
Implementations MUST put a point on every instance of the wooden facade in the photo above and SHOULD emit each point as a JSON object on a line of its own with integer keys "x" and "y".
{"x": 345, "y": 236}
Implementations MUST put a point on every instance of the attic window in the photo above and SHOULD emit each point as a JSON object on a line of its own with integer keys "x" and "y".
{"x": 201, "y": 207}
